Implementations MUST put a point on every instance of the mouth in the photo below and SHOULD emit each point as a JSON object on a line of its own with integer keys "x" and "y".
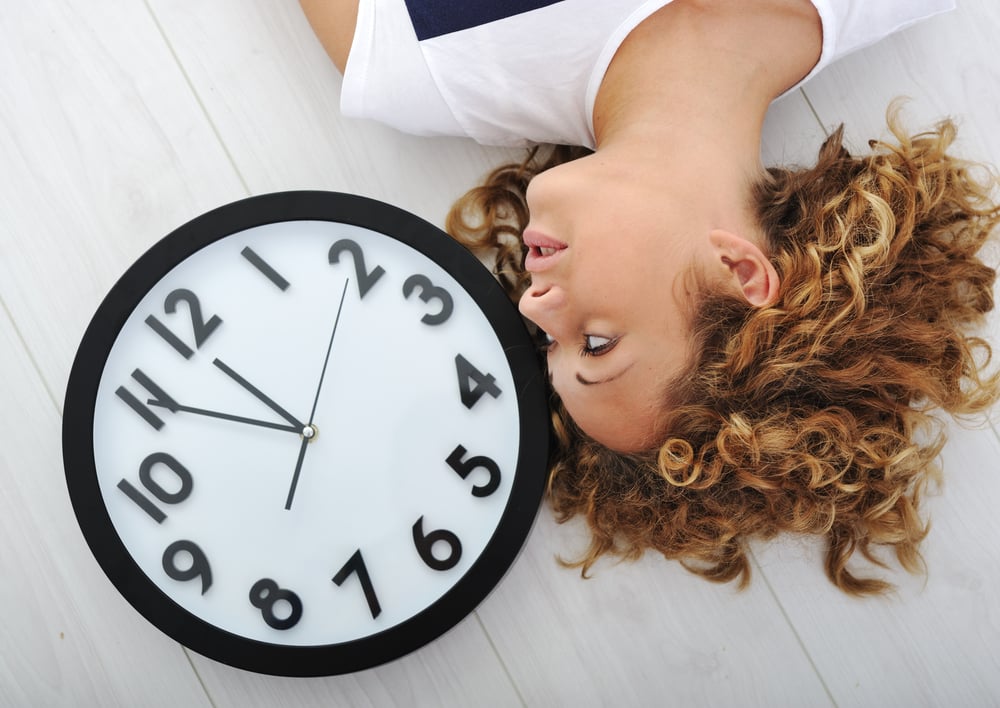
{"x": 543, "y": 251}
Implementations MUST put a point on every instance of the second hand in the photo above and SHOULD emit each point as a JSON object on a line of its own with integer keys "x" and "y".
{"x": 319, "y": 387}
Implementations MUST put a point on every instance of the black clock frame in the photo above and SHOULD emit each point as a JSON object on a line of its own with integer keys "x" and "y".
{"x": 263, "y": 657}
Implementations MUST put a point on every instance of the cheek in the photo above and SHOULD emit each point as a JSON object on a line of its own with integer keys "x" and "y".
{"x": 553, "y": 369}
{"x": 560, "y": 374}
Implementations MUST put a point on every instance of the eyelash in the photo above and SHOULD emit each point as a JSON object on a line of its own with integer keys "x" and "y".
{"x": 599, "y": 350}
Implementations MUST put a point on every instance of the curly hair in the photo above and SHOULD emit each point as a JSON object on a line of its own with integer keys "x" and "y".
{"x": 815, "y": 415}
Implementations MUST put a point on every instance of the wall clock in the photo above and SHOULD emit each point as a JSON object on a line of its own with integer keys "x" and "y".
{"x": 306, "y": 433}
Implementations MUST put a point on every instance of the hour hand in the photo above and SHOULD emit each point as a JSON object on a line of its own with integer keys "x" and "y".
{"x": 162, "y": 399}
{"x": 299, "y": 426}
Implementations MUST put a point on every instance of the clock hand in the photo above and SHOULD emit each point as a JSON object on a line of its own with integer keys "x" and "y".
{"x": 259, "y": 395}
{"x": 309, "y": 431}
{"x": 298, "y": 468}
{"x": 175, "y": 407}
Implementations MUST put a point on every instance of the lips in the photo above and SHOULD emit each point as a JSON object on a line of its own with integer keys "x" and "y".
{"x": 543, "y": 251}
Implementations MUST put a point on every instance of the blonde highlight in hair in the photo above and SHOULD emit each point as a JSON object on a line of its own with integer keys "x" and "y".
{"x": 815, "y": 415}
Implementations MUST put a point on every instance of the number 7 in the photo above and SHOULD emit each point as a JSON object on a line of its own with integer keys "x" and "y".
{"x": 356, "y": 564}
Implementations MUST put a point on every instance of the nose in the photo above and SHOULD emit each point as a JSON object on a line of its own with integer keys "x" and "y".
{"x": 544, "y": 305}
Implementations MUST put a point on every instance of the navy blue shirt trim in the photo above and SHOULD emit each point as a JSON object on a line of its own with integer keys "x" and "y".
{"x": 433, "y": 18}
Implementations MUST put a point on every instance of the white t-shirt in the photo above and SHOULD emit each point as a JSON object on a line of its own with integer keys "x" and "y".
{"x": 512, "y": 72}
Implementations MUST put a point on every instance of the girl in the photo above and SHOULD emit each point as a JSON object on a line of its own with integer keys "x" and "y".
{"x": 734, "y": 351}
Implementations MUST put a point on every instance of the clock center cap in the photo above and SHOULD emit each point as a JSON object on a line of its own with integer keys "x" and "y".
{"x": 310, "y": 432}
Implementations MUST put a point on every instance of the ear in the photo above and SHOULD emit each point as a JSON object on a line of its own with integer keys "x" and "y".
{"x": 746, "y": 266}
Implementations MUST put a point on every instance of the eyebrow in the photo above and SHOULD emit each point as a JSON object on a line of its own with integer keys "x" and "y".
{"x": 587, "y": 382}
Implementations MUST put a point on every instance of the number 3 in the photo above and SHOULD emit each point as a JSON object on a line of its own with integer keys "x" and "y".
{"x": 428, "y": 292}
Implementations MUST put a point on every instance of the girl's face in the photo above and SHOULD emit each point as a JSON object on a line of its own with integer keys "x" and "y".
{"x": 608, "y": 259}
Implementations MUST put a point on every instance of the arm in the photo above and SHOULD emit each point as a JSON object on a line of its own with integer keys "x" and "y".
{"x": 333, "y": 22}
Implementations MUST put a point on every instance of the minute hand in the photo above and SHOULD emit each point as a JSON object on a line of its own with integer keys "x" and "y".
{"x": 312, "y": 413}
{"x": 299, "y": 426}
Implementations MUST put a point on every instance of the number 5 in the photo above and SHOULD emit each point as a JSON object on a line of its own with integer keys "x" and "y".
{"x": 464, "y": 467}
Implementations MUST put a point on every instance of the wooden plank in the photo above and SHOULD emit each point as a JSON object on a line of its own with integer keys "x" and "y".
{"x": 105, "y": 150}
{"x": 792, "y": 135}
{"x": 274, "y": 96}
{"x": 643, "y": 633}
{"x": 100, "y": 132}
{"x": 943, "y": 68}
{"x": 95, "y": 122}
{"x": 68, "y": 637}
{"x": 936, "y": 640}
{"x": 459, "y": 669}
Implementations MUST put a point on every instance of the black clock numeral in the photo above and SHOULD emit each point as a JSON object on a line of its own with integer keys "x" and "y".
{"x": 465, "y": 467}
{"x": 265, "y": 594}
{"x": 428, "y": 292}
{"x": 143, "y": 503}
{"x": 199, "y": 567}
{"x": 425, "y": 545}
{"x": 202, "y": 329}
{"x": 186, "y": 484}
{"x": 469, "y": 374}
{"x": 366, "y": 278}
{"x": 160, "y": 398}
{"x": 356, "y": 564}
{"x": 265, "y": 268}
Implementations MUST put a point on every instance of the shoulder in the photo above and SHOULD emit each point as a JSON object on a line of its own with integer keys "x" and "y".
{"x": 333, "y": 21}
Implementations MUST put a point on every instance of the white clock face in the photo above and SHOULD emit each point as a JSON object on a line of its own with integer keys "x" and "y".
{"x": 306, "y": 433}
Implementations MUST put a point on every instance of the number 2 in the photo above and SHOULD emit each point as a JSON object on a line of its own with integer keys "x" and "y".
{"x": 366, "y": 278}
{"x": 201, "y": 328}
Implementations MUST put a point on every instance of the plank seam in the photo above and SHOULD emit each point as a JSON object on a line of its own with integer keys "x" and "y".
{"x": 503, "y": 664}
{"x": 31, "y": 357}
{"x": 239, "y": 175}
{"x": 812, "y": 109}
{"x": 197, "y": 675}
{"x": 791, "y": 626}
{"x": 197, "y": 97}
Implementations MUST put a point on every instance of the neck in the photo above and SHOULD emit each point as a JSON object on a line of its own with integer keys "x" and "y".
{"x": 695, "y": 79}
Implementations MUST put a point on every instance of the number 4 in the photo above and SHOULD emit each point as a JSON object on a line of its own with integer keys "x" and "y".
{"x": 467, "y": 375}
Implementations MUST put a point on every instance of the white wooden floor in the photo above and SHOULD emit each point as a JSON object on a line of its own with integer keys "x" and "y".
{"x": 122, "y": 119}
